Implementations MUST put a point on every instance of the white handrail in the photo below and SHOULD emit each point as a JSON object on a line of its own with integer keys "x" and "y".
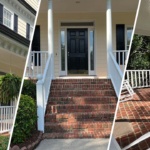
{"x": 6, "y": 118}
{"x": 120, "y": 56}
{"x": 115, "y": 73}
{"x": 36, "y": 64}
{"x": 138, "y": 78}
{"x": 42, "y": 91}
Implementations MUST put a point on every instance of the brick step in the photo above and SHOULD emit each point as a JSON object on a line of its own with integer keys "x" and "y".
{"x": 80, "y": 117}
{"x": 78, "y": 126}
{"x": 80, "y": 87}
{"x": 69, "y": 108}
{"x": 83, "y": 93}
{"x": 77, "y": 135}
{"x": 81, "y": 81}
{"x": 82, "y": 100}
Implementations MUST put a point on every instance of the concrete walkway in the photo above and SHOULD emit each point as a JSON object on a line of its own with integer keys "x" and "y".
{"x": 73, "y": 144}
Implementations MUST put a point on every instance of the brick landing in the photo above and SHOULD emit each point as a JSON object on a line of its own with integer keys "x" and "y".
{"x": 80, "y": 108}
{"x": 137, "y": 113}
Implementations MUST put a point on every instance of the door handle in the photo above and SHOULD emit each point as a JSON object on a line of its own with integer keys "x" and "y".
{"x": 68, "y": 53}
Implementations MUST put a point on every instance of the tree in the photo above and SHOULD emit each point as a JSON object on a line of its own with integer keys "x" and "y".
{"x": 140, "y": 53}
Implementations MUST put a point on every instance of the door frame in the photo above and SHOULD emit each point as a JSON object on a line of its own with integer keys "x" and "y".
{"x": 89, "y": 28}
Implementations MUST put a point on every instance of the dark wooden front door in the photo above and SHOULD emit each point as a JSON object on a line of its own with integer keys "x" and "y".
{"x": 77, "y": 51}
{"x": 36, "y": 46}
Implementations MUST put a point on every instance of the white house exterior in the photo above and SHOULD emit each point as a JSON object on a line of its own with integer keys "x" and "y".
{"x": 103, "y": 28}
{"x": 17, "y": 19}
{"x": 16, "y": 27}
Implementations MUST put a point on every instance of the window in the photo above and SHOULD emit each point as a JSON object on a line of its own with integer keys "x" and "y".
{"x": 128, "y": 36}
{"x": 7, "y": 18}
{"x": 92, "y": 49}
{"x": 63, "y": 50}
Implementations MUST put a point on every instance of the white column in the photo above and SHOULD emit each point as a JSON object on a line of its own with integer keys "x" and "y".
{"x": 50, "y": 32}
{"x": 109, "y": 30}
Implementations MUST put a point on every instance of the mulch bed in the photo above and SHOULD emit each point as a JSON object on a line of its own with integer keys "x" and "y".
{"x": 30, "y": 143}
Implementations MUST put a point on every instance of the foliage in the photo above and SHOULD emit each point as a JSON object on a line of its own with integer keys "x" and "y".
{"x": 29, "y": 88}
{"x": 140, "y": 53}
{"x": 3, "y": 142}
{"x": 25, "y": 120}
{"x": 9, "y": 87}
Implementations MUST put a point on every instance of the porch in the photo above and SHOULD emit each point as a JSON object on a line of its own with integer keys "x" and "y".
{"x": 102, "y": 30}
{"x": 135, "y": 115}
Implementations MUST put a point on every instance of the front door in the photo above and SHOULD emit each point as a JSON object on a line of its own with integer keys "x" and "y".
{"x": 77, "y": 54}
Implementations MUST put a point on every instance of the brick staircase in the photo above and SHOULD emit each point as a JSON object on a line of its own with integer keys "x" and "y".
{"x": 80, "y": 108}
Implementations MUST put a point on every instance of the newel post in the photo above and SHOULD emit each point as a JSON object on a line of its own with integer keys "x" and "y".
{"x": 40, "y": 103}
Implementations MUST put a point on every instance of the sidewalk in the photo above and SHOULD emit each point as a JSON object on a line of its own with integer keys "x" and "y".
{"x": 73, "y": 144}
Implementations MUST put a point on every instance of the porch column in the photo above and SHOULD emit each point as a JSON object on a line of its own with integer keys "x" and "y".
{"x": 109, "y": 30}
{"x": 50, "y": 33}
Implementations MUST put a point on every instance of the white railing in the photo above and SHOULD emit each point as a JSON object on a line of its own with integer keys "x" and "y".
{"x": 6, "y": 118}
{"x": 121, "y": 56}
{"x": 115, "y": 73}
{"x": 138, "y": 78}
{"x": 42, "y": 91}
{"x": 36, "y": 64}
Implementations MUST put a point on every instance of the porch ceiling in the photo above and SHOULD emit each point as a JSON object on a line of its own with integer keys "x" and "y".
{"x": 143, "y": 21}
{"x": 71, "y": 6}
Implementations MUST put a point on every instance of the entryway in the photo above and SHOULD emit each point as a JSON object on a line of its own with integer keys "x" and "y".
{"x": 77, "y": 54}
{"x": 77, "y": 49}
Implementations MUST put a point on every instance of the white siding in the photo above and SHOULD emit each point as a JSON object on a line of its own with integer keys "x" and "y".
{"x": 21, "y": 27}
{"x": 33, "y": 3}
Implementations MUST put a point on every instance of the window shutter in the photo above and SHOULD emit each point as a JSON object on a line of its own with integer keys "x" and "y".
{"x": 28, "y": 31}
{"x": 1, "y": 14}
{"x": 120, "y": 41}
{"x": 120, "y": 37}
{"x": 15, "y": 23}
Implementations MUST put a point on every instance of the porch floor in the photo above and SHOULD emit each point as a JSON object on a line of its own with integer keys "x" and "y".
{"x": 133, "y": 118}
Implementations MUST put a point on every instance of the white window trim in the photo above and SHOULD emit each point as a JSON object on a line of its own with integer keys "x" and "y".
{"x": 65, "y": 73}
{"x": 31, "y": 27}
{"x": 12, "y": 18}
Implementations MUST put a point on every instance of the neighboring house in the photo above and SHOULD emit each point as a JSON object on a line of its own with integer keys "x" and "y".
{"x": 16, "y": 27}
{"x": 79, "y": 48}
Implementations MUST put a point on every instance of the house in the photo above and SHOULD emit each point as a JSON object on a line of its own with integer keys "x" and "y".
{"x": 16, "y": 27}
{"x": 78, "y": 55}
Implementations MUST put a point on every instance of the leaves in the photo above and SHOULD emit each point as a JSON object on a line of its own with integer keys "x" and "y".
{"x": 9, "y": 88}
{"x": 26, "y": 119}
{"x": 140, "y": 53}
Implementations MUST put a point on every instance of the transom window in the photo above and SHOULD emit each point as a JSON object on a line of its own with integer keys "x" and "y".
{"x": 7, "y": 18}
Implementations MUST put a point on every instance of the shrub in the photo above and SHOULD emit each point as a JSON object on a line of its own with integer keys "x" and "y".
{"x": 3, "y": 142}
{"x": 29, "y": 88}
{"x": 25, "y": 120}
{"x": 9, "y": 87}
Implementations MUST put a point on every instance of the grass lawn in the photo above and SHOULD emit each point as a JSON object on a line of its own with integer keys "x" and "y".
{"x": 3, "y": 142}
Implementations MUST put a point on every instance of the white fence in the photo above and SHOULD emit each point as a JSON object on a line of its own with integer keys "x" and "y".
{"x": 36, "y": 64}
{"x": 6, "y": 118}
{"x": 138, "y": 78}
{"x": 121, "y": 56}
{"x": 115, "y": 73}
{"x": 43, "y": 89}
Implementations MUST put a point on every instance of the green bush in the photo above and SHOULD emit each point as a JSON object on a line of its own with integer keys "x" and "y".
{"x": 3, "y": 142}
{"x": 9, "y": 87}
{"x": 29, "y": 88}
{"x": 25, "y": 120}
